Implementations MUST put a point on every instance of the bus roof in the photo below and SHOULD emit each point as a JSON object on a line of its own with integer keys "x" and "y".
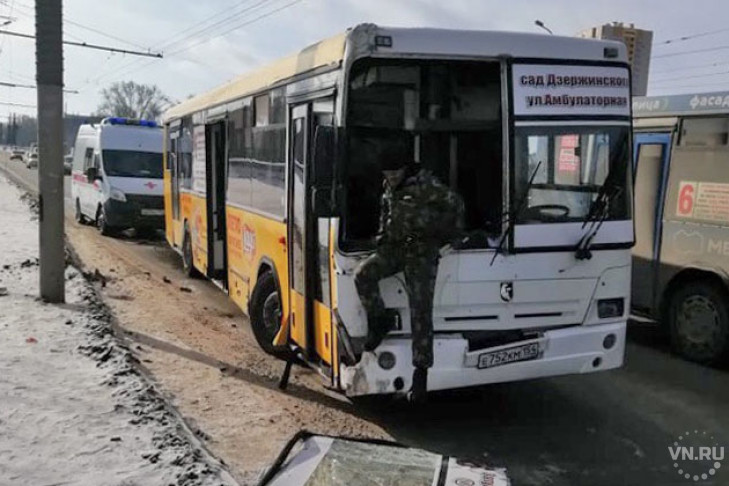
{"x": 368, "y": 38}
{"x": 324, "y": 53}
{"x": 713, "y": 103}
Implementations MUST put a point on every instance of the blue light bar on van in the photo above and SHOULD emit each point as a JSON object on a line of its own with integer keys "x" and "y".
{"x": 117, "y": 120}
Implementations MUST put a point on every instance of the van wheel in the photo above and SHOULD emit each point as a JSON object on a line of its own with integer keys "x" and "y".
{"x": 79, "y": 216}
{"x": 266, "y": 312}
{"x": 187, "y": 262}
{"x": 699, "y": 322}
{"x": 101, "y": 223}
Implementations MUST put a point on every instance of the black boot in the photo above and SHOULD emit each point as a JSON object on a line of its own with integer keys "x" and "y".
{"x": 384, "y": 324}
{"x": 419, "y": 390}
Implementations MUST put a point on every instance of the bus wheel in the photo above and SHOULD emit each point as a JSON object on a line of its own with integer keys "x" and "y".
{"x": 78, "y": 215}
{"x": 266, "y": 312}
{"x": 101, "y": 223}
{"x": 699, "y": 322}
{"x": 187, "y": 262}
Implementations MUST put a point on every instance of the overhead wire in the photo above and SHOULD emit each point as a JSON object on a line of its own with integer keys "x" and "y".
{"x": 695, "y": 51}
{"x": 67, "y": 20}
{"x": 260, "y": 17}
{"x": 686, "y": 68}
{"x": 689, "y": 86}
{"x": 200, "y": 31}
{"x": 10, "y": 15}
{"x": 680, "y": 78}
{"x": 180, "y": 37}
{"x": 262, "y": 3}
{"x": 689, "y": 37}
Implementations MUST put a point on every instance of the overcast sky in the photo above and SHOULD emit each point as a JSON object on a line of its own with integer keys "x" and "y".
{"x": 196, "y": 61}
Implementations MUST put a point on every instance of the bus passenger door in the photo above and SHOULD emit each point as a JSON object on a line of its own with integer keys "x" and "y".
{"x": 651, "y": 174}
{"x": 216, "y": 164}
{"x": 311, "y": 316}
{"x": 172, "y": 188}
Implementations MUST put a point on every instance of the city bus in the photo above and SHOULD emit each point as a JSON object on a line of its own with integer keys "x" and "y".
{"x": 273, "y": 184}
{"x": 681, "y": 258}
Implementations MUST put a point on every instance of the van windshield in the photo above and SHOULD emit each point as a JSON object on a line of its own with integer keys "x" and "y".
{"x": 127, "y": 163}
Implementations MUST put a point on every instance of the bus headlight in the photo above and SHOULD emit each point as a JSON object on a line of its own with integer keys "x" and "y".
{"x": 117, "y": 195}
{"x": 610, "y": 308}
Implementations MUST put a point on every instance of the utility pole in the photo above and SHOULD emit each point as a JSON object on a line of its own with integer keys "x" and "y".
{"x": 49, "y": 69}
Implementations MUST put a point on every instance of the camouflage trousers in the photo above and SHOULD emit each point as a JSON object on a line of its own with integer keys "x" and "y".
{"x": 420, "y": 269}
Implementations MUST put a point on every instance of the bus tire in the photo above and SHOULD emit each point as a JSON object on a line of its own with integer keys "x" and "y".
{"x": 188, "y": 264}
{"x": 699, "y": 322}
{"x": 265, "y": 312}
{"x": 78, "y": 215}
{"x": 101, "y": 223}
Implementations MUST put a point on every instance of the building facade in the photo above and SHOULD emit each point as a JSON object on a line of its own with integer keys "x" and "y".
{"x": 637, "y": 41}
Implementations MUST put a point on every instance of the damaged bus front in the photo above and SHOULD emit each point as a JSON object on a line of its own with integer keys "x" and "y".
{"x": 535, "y": 137}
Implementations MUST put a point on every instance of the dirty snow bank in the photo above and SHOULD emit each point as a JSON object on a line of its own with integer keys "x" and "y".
{"x": 73, "y": 407}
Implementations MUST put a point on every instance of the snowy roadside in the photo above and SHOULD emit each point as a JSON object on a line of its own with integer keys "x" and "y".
{"x": 73, "y": 407}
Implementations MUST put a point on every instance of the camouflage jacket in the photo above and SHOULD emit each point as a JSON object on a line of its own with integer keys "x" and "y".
{"x": 420, "y": 212}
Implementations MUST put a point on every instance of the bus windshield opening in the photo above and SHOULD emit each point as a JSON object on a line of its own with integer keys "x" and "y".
{"x": 445, "y": 115}
{"x": 127, "y": 163}
{"x": 568, "y": 166}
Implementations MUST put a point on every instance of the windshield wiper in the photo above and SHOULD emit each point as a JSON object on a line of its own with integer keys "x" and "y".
{"x": 519, "y": 208}
{"x": 596, "y": 216}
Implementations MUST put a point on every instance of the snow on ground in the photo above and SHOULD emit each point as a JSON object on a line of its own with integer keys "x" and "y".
{"x": 73, "y": 407}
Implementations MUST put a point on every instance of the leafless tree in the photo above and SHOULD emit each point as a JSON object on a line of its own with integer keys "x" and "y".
{"x": 132, "y": 100}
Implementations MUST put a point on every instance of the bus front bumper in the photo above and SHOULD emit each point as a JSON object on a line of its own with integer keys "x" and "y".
{"x": 573, "y": 350}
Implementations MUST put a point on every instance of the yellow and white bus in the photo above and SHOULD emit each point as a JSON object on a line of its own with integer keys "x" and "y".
{"x": 273, "y": 185}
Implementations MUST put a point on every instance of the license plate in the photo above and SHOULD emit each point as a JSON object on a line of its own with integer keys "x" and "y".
{"x": 153, "y": 212}
{"x": 524, "y": 352}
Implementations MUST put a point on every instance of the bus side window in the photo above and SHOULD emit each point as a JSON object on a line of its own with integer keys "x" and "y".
{"x": 171, "y": 155}
{"x": 705, "y": 132}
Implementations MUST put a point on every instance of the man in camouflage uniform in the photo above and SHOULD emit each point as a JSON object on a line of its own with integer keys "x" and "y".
{"x": 419, "y": 216}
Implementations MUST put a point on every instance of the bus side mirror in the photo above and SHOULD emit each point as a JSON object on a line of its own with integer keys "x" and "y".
{"x": 322, "y": 172}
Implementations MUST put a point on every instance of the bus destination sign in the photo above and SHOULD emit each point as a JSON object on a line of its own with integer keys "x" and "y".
{"x": 548, "y": 90}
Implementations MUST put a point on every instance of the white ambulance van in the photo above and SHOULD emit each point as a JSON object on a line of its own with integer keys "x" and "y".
{"x": 117, "y": 175}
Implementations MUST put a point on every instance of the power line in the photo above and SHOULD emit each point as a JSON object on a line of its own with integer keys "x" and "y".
{"x": 31, "y": 86}
{"x": 81, "y": 26}
{"x": 227, "y": 21}
{"x": 15, "y": 85}
{"x": 196, "y": 30}
{"x": 689, "y": 37}
{"x": 692, "y": 86}
{"x": 10, "y": 12}
{"x": 260, "y": 17}
{"x": 185, "y": 34}
{"x": 22, "y": 105}
{"x": 679, "y": 78}
{"x": 686, "y": 68}
{"x": 199, "y": 28}
{"x": 696, "y": 51}
{"x": 89, "y": 46}
{"x": 217, "y": 24}
{"x": 256, "y": 19}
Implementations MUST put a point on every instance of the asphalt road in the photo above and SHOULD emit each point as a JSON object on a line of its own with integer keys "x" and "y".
{"x": 612, "y": 428}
